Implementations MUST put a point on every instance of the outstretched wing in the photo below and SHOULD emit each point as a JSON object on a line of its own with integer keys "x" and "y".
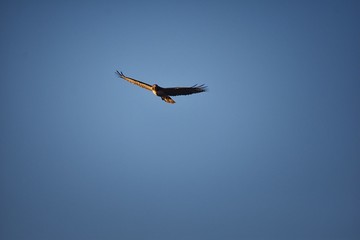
{"x": 134, "y": 81}
{"x": 185, "y": 90}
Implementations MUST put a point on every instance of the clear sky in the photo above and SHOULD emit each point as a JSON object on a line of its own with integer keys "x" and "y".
{"x": 271, "y": 151}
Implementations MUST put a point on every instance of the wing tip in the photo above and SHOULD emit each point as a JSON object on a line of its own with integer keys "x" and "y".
{"x": 201, "y": 87}
{"x": 120, "y": 74}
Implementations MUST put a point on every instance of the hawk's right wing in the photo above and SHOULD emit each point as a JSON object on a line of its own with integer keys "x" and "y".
{"x": 134, "y": 81}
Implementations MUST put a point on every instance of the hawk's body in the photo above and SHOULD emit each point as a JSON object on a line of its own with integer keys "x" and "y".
{"x": 165, "y": 93}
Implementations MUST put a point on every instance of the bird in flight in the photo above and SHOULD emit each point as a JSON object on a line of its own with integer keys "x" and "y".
{"x": 165, "y": 93}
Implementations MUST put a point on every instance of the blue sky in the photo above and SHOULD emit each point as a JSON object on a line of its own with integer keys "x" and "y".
{"x": 271, "y": 151}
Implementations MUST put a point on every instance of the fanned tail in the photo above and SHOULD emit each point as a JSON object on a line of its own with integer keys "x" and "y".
{"x": 168, "y": 99}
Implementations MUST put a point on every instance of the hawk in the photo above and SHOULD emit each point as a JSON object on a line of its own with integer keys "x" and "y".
{"x": 165, "y": 93}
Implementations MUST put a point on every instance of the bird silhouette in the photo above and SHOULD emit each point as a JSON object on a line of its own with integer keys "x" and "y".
{"x": 165, "y": 93}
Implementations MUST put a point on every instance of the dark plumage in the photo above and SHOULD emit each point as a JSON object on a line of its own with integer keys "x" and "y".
{"x": 165, "y": 93}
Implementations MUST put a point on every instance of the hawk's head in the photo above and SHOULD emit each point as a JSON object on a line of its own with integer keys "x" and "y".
{"x": 154, "y": 87}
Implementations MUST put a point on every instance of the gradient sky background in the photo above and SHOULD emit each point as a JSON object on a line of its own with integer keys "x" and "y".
{"x": 272, "y": 151}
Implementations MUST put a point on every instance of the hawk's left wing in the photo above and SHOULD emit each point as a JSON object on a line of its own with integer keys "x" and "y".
{"x": 184, "y": 90}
